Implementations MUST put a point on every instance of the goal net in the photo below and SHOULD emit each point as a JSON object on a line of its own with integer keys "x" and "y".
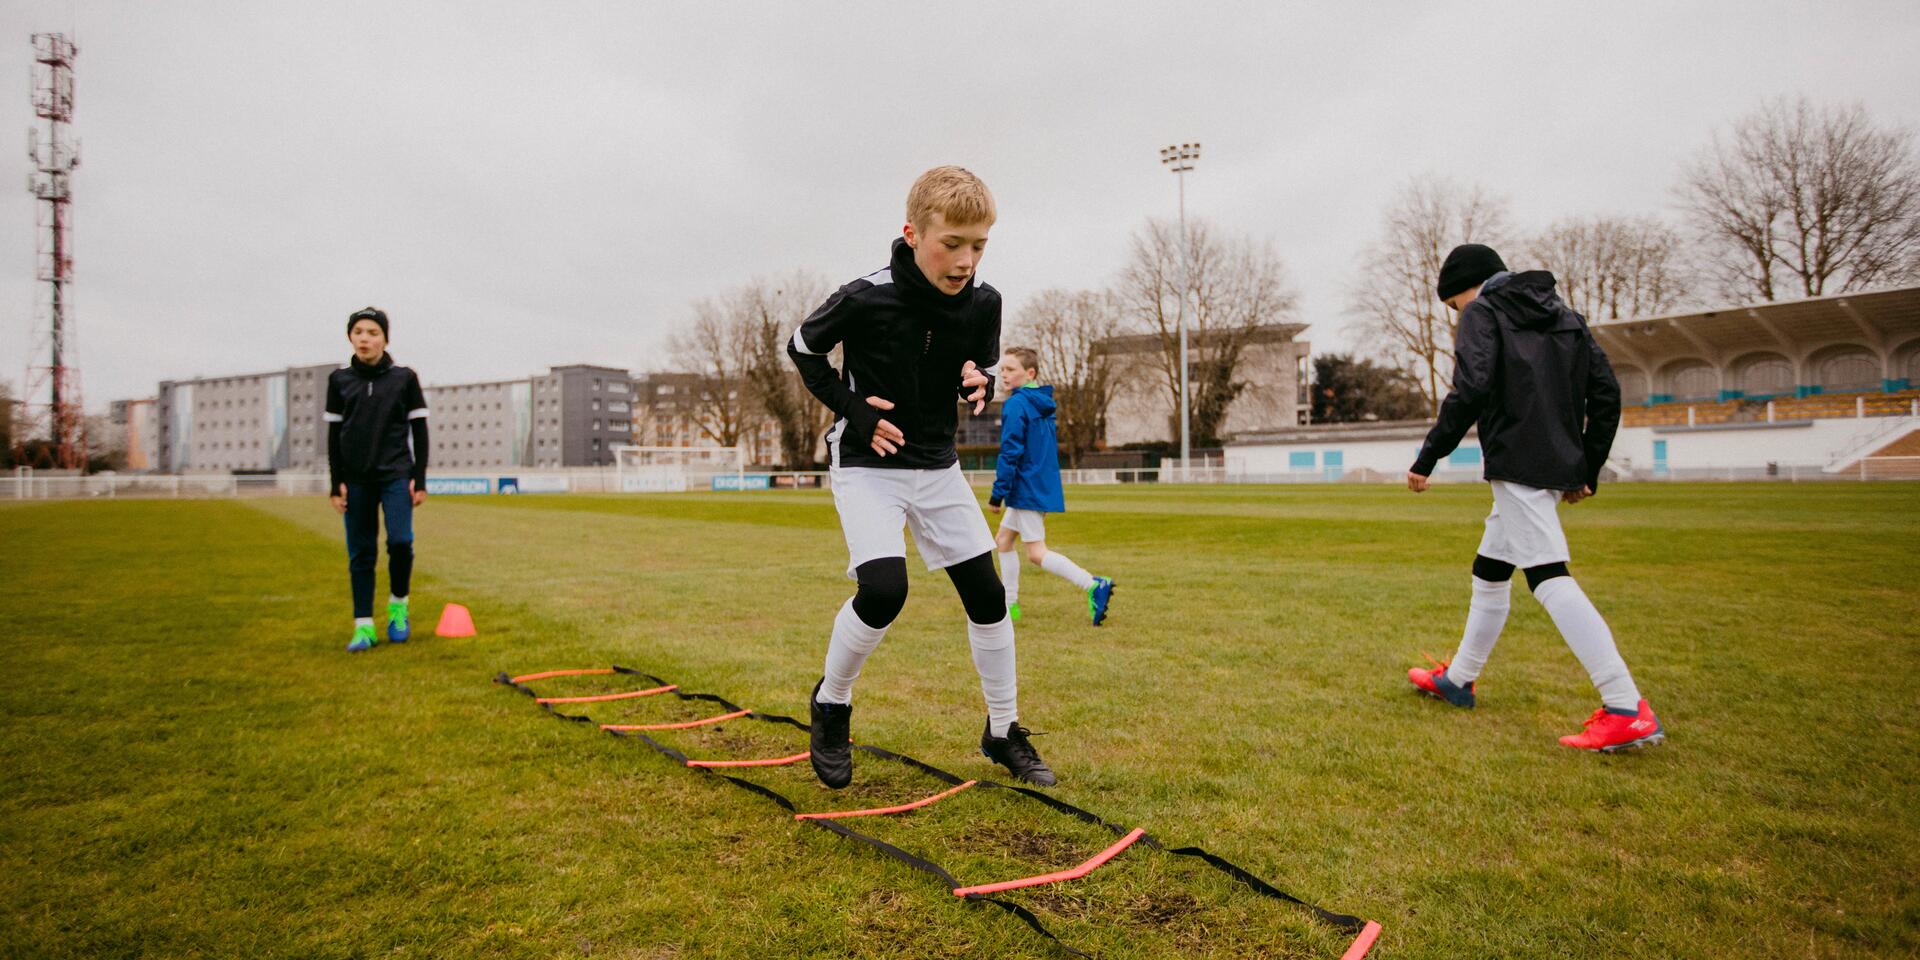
{"x": 674, "y": 469}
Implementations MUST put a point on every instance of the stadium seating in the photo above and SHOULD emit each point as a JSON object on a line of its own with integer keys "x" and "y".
{"x": 1820, "y": 407}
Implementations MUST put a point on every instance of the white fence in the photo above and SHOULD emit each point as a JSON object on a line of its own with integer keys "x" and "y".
{"x": 156, "y": 486}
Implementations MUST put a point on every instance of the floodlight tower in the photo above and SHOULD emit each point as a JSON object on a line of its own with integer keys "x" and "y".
{"x": 55, "y": 154}
{"x": 1180, "y": 159}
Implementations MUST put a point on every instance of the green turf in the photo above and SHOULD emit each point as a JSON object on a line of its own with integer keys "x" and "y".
{"x": 195, "y": 768}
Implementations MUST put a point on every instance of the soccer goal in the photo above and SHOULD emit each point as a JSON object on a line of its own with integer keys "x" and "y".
{"x": 675, "y": 469}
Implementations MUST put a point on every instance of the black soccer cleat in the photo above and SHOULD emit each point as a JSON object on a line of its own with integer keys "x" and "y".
{"x": 829, "y": 749}
{"x": 1015, "y": 752}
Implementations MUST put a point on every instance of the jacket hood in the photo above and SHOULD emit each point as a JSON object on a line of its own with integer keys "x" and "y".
{"x": 1530, "y": 302}
{"x": 1041, "y": 397}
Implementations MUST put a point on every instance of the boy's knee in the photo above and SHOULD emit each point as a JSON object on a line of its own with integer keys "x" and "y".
{"x": 1491, "y": 570}
{"x": 882, "y": 591}
{"x": 1544, "y": 572}
{"x": 1036, "y": 555}
{"x": 980, "y": 589}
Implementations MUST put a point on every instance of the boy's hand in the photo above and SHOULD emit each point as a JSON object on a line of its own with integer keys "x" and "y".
{"x": 972, "y": 376}
{"x": 419, "y": 493}
{"x": 1575, "y": 496}
{"x": 887, "y": 438}
{"x": 1416, "y": 482}
{"x": 995, "y": 507}
{"x": 339, "y": 499}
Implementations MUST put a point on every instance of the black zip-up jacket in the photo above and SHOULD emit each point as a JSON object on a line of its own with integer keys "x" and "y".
{"x": 905, "y": 341}
{"x": 370, "y": 408}
{"x": 1528, "y": 370}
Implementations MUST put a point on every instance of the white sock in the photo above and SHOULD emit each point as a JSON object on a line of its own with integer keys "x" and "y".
{"x": 1010, "y": 574}
{"x": 1058, "y": 565}
{"x": 1580, "y": 624}
{"x": 993, "y": 657}
{"x": 363, "y": 621}
{"x": 1486, "y": 615}
{"x": 853, "y": 641}
{"x": 393, "y": 599}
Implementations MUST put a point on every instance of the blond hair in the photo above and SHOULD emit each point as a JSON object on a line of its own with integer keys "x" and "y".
{"x": 1028, "y": 357}
{"x": 952, "y": 192}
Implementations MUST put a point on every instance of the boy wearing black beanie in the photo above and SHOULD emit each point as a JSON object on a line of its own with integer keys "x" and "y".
{"x": 376, "y": 464}
{"x": 1531, "y": 375}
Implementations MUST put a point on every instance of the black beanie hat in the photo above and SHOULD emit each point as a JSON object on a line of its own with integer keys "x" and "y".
{"x": 1467, "y": 266}
{"x": 375, "y": 314}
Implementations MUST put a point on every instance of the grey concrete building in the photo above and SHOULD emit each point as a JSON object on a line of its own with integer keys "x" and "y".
{"x": 244, "y": 422}
{"x": 306, "y": 421}
{"x": 580, "y": 413}
{"x": 571, "y": 416}
{"x": 483, "y": 425}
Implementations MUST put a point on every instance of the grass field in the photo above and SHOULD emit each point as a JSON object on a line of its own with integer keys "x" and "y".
{"x": 194, "y": 768}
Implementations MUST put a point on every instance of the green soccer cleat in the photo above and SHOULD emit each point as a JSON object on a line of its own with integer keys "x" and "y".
{"x": 1099, "y": 596}
{"x": 398, "y": 630}
{"x": 363, "y": 638}
{"x": 1013, "y": 612}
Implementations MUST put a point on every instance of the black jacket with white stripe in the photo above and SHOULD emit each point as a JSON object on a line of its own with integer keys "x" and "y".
{"x": 904, "y": 341}
{"x": 373, "y": 410}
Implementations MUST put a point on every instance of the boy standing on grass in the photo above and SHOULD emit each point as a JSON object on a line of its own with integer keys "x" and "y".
{"x": 911, "y": 334}
{"x": 1528, "y": 371}
{"x": 1027, "y": 482}
{"x": 373, "y": 409}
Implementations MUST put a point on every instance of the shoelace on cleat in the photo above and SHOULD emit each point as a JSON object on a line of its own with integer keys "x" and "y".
{"x": 1017, "y": 740}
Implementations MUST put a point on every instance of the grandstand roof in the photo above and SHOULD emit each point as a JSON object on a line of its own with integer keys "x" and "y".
{"x": 1882, "y": 319}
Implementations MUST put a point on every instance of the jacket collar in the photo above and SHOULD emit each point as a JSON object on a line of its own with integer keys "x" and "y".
{"x": 369, "y": 371}
{"x": 917, "y": 288}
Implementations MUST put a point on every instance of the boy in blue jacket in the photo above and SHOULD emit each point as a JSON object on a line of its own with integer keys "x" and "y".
{"x": 1027, "y": 485}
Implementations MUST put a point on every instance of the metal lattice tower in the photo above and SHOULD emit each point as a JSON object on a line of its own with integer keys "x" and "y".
{"x": 52, "y": 433}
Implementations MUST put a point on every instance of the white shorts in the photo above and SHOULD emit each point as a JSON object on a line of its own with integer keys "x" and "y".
{"x": 1031, "y": 525}
{"x": 1524, "y": 527}
{"x": 937, "y": 505}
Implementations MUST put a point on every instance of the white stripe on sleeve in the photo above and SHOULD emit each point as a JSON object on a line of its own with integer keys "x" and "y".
{"x": 417, "y": 414}
{"x": 335, "y": 418}
{"x": 800, "y": 344}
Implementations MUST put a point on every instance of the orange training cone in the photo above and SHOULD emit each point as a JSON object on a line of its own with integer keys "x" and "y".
{"x": 455, "y": 621}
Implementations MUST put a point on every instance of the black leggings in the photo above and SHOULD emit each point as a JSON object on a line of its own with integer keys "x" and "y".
{"x": 883, "y": 590}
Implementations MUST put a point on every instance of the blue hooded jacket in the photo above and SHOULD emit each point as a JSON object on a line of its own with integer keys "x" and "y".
{"x": 1028, "y": 475}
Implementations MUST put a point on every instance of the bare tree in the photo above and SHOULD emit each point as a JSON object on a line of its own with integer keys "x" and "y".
{"x": 1608, "y": 268}
{"x": 717, "y": 344}
{"x": 1395, "y": 296}
{"x": 772, "y": 311}
{"x": 1803, "y": 200}
{"x": 1234, "y": 286}
{"x": 1066, "y": 327}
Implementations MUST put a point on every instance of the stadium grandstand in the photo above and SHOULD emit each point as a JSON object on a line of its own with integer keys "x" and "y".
{"x": 1824, "y": 387}
{"x": 1814, "y": 358}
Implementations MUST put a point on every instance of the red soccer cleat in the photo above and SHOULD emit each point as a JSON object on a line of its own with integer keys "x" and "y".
{"x": 1611, "y": 732}
{"x": 1434, "y": 683}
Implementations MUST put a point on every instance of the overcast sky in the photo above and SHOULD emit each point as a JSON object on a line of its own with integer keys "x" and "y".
{"x": 524, "y": 184}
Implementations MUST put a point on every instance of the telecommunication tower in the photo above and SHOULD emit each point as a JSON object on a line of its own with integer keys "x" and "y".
{"x": 52, "y": 431}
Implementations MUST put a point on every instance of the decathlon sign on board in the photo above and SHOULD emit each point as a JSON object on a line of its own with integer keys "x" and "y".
{"x": 442, "y": 486}
{"x": 751, "y": 481}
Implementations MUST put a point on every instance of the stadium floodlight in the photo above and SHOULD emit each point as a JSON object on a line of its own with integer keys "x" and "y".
{"x": 1180, "y": 159}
